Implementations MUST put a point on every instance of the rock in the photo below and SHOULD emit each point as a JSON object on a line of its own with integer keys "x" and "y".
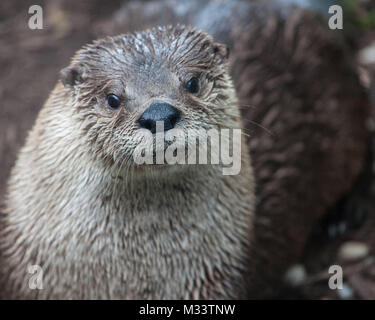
{"x": 353, "y": 250}
{"x": 346, "y": 292}
{"x": 296, "y": 275}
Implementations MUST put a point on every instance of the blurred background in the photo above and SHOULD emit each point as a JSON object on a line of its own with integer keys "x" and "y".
{"x": 305, "y": 92}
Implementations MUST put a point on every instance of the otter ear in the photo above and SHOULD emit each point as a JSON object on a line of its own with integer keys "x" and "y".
{"x": 71, "y": 76}
{"x": 221, "y": 50}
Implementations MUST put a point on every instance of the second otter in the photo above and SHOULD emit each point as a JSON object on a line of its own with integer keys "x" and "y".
{"x": 98, "y": 227}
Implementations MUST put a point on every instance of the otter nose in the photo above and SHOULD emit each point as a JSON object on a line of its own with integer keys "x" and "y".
{"x": 159, "y": 111}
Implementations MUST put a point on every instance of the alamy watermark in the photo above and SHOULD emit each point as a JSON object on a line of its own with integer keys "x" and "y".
{"x": 36, "y": 18}
{"x": 36, "y": 278}
{"x": 176, "y": 146}
{"x": 335, "y": 282}
{"x": 336, "y": 21}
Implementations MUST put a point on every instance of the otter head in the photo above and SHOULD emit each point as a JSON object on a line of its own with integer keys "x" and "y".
{"x": 121, "y": 87}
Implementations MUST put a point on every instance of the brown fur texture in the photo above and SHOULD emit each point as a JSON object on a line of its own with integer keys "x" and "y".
{"x": 77, "y": 206}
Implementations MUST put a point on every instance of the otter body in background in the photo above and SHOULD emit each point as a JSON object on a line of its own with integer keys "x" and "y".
{"x": 98, "y": 225}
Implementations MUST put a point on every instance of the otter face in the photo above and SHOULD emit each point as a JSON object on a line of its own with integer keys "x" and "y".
{"x": 121, "y": 87}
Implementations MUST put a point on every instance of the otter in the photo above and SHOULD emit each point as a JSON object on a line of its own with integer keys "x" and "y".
{"x": 102, "y": 227}
{"x": 300, "y": 102}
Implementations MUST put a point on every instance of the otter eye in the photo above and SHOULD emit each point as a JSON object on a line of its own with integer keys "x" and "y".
{"x": 113, "y": 101}
{"x": 193, "y": 85}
